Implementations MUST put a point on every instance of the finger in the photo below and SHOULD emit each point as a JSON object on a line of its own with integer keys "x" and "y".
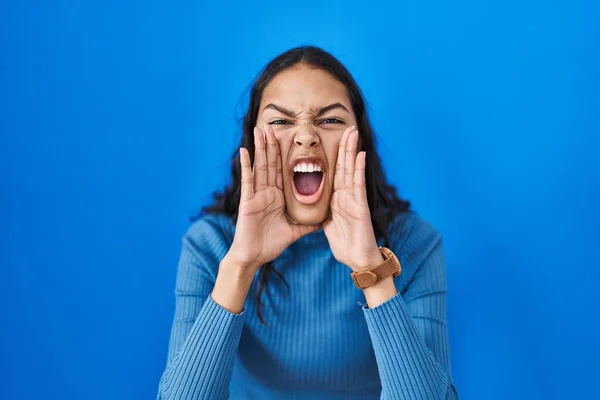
{"x": 271, "y": 155}
{"x": 260, "y": 160}
{"x": 279, "y": 173}
{"x": 350, "y": 159}
{"x": 360, "y": 187}
{"x": 300, "y": 230}
{"x": 247, "y": 190}
{"x": 338, "y": 179}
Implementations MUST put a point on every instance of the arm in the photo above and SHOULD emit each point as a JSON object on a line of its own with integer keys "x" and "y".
{"x": 207, "y": 328}
{"x": 409, "y": 332}
{"x": 205, "y": 334}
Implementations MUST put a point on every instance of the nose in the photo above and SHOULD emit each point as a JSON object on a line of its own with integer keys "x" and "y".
{"x": 306, "y": 137}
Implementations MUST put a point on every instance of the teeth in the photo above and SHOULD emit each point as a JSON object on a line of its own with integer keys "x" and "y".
{"x": 307, "y": 167}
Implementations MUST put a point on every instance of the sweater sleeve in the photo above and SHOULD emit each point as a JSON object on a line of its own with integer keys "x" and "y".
{"x": 204, "y": 335}
{"x": 409, "y": 332}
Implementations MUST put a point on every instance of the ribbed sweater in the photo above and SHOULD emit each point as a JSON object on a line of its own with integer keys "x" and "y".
{"x": 322, "y": 340}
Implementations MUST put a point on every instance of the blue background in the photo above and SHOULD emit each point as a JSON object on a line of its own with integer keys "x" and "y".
{"x": 117, "y": 120}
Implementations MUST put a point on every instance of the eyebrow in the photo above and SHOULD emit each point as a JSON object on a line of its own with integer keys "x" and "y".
{"x": 321, "y": 111}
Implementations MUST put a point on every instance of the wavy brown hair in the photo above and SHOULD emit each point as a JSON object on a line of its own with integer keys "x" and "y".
{"x": 384, "y": 203}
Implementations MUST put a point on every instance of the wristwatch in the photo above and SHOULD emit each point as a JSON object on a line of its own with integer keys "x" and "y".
{"x": 390, "y": 266}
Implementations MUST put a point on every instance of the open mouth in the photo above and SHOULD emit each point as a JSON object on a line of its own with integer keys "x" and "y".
{"x": 307, "y": 183}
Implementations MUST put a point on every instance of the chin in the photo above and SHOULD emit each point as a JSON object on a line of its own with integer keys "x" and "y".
{"x": 307, "y": 215}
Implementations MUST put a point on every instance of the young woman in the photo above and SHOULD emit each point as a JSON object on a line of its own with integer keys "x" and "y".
{"x": 359, "y": 307}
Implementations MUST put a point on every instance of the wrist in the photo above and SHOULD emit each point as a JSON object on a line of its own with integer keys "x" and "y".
{"x": 380, "y": 292}
{"x": 235, "y": 274}
{"x": 374, "y": 258}
{"x": 232, "y": 285}
{"x": 377, "y": 279}
{"x": 236, "y": 268}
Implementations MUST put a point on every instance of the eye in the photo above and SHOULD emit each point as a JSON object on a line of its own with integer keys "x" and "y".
{"x": 279, "y": 122}
{"x": 331, "y": 121}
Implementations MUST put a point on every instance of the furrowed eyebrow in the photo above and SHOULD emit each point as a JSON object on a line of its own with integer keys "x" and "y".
{"x": 280, "y": 109}
{"x": 321, "y": 111}
{"x": 331, "y": 107}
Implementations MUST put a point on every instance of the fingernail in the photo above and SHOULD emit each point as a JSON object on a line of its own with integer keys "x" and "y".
{"x": 265, "y": 131}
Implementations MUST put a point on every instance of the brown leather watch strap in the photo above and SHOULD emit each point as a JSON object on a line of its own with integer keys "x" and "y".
{"x": 390, "y": 266}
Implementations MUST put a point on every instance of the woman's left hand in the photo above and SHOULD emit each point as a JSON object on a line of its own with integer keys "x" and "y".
{"x": 349, "y": 229}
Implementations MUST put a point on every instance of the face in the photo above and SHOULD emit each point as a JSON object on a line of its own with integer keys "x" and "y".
{"x": 309, "y": 111}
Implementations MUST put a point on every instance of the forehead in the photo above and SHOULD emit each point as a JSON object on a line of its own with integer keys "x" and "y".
{"x": 303, "y": 88}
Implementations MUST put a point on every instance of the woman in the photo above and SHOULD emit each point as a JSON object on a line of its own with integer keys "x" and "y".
{"x": 309, "y": 202}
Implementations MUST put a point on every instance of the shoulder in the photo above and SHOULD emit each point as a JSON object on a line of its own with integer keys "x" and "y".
{"x": 210, "y": 233}
{"x": 418, "y": 246}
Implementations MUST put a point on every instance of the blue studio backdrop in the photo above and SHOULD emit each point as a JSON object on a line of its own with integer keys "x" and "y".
{"x": 117, "y": 120}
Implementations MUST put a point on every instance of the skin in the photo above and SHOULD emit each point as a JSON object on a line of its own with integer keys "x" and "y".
{"x": 304, "y": 91}
{"x": 291, "y": 122}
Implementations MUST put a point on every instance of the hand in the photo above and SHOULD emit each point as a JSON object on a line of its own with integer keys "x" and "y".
{"x": 262, "y": 230}
{"x": 349, "y": 229}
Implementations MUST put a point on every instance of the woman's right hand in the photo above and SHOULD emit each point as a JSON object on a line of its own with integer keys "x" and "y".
{"x": 262, "y": 231}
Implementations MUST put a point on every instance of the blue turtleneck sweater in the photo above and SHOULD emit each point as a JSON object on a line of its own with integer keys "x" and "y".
{"x": 322, "y": 342}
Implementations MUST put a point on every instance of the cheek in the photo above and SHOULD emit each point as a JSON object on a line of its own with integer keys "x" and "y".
{"x": 331, "y": 157}
{"x": 331, "y": 147}
{"x": 285, "y": 145}
{"x": 285, "y": 149}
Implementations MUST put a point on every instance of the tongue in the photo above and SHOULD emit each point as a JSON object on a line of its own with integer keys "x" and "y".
{"x": 307, "y": 183}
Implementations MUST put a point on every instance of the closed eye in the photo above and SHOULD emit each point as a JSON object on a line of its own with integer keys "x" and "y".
{"x": 331, "y": 121}
{"x": 279, "y": 122}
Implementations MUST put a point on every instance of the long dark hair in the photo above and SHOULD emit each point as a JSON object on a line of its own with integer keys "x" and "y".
{"x": 384, "y": 203}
